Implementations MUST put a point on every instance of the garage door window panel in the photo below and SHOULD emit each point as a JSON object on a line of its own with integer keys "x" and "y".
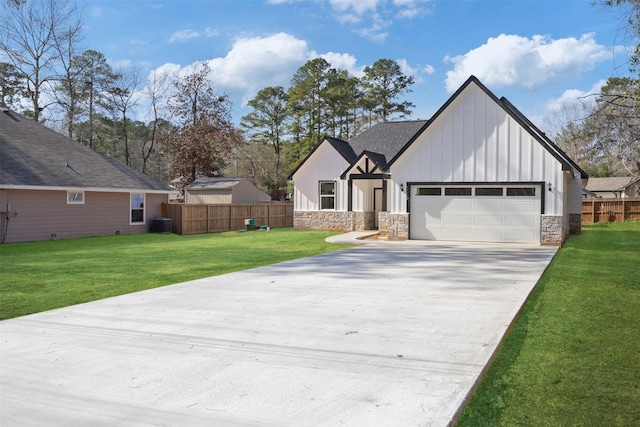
{"x": 457, "y": 191}
{"x": 422, "y": 191}
{"x": 521, "y": 192}
{"x": 489, "y": 191}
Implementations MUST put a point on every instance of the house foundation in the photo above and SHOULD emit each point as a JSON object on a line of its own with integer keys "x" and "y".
{"x": 334, "y": 220}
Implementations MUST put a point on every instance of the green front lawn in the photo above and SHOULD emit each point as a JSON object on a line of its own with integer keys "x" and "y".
{"x": 41, "y": 276}
{"x": 573, "y": 355}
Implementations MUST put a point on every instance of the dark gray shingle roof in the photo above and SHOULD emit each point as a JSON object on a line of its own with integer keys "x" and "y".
{"x": 33, "y": 155}
{"x": 386, "y": 139}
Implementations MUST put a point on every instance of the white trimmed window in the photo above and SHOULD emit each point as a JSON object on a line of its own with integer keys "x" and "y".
{"x": 327, "y": 195}
{"x": 75, "y": 197}
{"x": 137, "y": 208}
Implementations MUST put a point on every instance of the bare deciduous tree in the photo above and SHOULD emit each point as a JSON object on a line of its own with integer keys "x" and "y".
{"x": 31, "y": 36}
{"x": 203, "y": 132}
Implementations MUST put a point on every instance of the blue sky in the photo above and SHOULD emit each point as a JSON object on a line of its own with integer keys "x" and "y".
{"x": 537, "y": 53}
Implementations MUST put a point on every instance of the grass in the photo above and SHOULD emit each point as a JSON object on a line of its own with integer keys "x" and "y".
{"x": 572, "y": 357}
{"x": 39, "y": 276}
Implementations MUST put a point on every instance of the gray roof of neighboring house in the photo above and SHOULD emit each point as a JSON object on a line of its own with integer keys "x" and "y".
{"x": 616, "y": 183}
{"x": 216, "y": 182}
{"x": 34, "y": 155}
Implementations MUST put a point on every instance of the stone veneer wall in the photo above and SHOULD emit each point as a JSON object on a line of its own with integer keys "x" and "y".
{"x": 575, "y": 223}
{"x": 395, "y": 225}
{"x": 322, "y": 220}
{"x": 334, "y": 220}
{"x": 551, "y": 230}
{"x": 363, "y": 221}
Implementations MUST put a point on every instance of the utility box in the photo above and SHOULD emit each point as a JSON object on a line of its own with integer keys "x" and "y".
{"x": 161, "y": 225}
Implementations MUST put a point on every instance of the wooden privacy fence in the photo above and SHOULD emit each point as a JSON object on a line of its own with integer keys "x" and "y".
{"x": 197, "y": 219}
{"x": 610, "y": 210}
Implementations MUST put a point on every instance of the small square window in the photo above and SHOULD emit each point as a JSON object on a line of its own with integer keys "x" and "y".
{"x": 75, "y": 197}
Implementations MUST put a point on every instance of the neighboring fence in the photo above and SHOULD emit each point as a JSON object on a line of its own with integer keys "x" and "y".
{"x": 197, "y": 219}
{"x": 610, "y": 210}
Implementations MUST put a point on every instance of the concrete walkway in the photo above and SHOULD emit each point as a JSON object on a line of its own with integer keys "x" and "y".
{"x": 376, "y": 335}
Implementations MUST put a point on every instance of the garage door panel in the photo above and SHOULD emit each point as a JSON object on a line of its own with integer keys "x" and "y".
{"x": 521, "y": 205}
{"x": 488, "y": 220}
{"x": 432, "y": 220}
{"x": 458, "y": 204}
{"x": 489, "y": 205}
{"x": 521, "y": 221}
{"x": 457, "y": 219}
{"x": 476, "y": 218}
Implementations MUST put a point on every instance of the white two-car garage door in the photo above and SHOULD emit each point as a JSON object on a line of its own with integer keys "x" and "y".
{"x": 504, "y": 213}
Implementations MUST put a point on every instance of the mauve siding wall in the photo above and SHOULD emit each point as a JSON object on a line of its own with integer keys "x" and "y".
{"x": 36, "y": 215}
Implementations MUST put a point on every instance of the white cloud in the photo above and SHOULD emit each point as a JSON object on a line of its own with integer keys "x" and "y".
{"x": 343, "y": 61}
{"x": 184, "y": 35}
{"x": 410, "y": 9}
{"x": 371, "y": 18}
{"x": 428, "y": 69}
{"x": 512, "y": 60}
{"x": 359, "y": 7}
{"x": 257, "y": 62}
{"x": 406, "y": 68}
{"x": 576, "y": 96}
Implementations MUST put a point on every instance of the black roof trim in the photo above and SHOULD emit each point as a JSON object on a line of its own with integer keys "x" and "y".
{"x": 378, "y": 159}
{"x": 546, "y": 142}
{"x": 511, "y": 110}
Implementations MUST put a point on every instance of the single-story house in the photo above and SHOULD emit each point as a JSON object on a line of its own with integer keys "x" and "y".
{"x": 222, "y": 190}
{"x": 614, "y": 187}
{"x": 478, "y": 170}
{"x": 52, "y": 187}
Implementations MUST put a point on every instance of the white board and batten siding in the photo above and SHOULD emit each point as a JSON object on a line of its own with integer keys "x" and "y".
{"x": 328, "y": 165}
{"x": 475, "y": 141}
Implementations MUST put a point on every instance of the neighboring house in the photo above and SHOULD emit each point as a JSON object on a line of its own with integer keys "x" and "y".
{"x": 614, "y": 187}
{"x": 54, "y": 188}
{"x": 223, "y": 191}
{"x": 478, "y": 170}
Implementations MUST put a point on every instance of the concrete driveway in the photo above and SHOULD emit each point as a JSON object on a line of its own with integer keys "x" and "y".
{"x": 383, "y": 334}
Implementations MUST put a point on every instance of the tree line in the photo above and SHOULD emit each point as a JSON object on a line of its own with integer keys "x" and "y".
{"x": 603, "y": 136}
{"x": 189, "y": 132}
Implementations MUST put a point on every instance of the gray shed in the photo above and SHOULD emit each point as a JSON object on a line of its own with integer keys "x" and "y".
{"x": 223, "y": 191}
